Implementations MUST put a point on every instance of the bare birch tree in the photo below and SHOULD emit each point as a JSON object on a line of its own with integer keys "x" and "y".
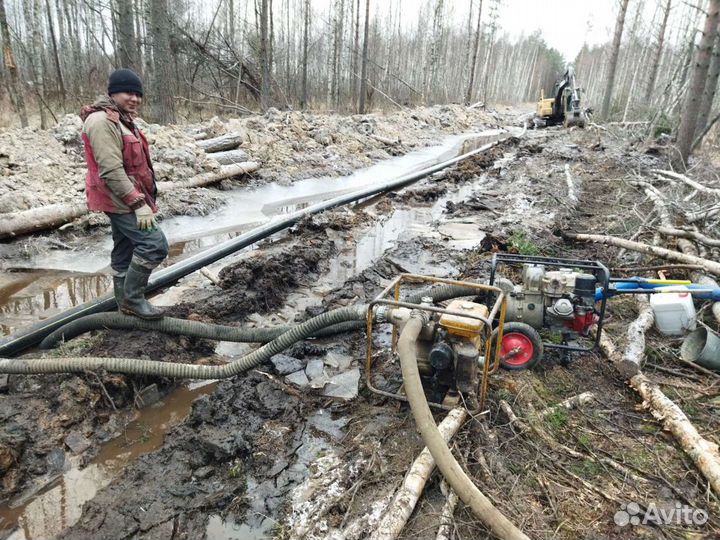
{"x": 264, "y": 56}
{"x": 614, "y": 53}
{"x": 363, "y": 70}
{"x": 473, "y": 60}
{"x": 689, "y": 120}
{"x": 306, "y": 30}
{"x": 163, "y": 100}
{"x": 126, "y": 34}
{"x": 655, "y": 64}
{"x": 14, "y": 87}
{"x": 710, "y": 86}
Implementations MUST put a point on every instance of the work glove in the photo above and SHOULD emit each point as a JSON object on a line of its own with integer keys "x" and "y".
{"x": 145, "y": 218}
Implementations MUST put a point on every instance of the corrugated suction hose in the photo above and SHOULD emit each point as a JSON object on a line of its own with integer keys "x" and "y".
{"x": 181, "y": 327}
{"x": 187, "y": 371}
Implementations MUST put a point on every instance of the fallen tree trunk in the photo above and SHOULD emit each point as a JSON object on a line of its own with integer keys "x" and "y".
{"x": 694, "y": 235}
{"x": 229, "y": 157}
{"x": 47, "y": 217}
{"x": 709, "y": 266}
{"x": 205, "y": 179}
{"x": 224, "y": 142}
{"x": 703, "y": 453}
{"x": 38, "y": 219}
{"x": 409, "y": 493}
{"x": 445, "y": 529}
{"x": 570, "y": 184}
{"x": 689, "y": 181}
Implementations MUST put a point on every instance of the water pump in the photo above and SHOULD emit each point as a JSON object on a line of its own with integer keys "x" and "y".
{"x": 553, "y": 296}
{"x": 453, "y": 350}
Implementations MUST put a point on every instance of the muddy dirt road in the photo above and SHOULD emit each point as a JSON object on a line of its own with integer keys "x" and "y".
{"x": 300, "y": 448}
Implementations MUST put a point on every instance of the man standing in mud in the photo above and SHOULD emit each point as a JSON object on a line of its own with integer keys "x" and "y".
{"x": 121, "y": 183}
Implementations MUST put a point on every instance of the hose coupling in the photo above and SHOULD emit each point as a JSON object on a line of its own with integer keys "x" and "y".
{"x": 382, "y": 314}
{"x": 421, "y": 314}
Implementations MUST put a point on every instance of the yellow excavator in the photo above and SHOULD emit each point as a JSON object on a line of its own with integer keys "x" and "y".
{"x": 564, "y": 105}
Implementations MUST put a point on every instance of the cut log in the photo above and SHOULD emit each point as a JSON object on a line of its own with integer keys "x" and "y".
{"x": 38, "y": 219}
{"x": 409, "y": 493}
{"x": 693, "y": 235}
{"x": 230, "y": 157}
{"x": 224, "y": 142}
{"x": 709, "y": 266}
{"x": 689, "y": 181}
{"x": 635, "y": 349}
{"x": 205, "y": 179}
{"x": 703, "y": 453}
{"x": 386, "y": 140}
{"x": 47, "y": 217}
{"x": 569, "y": 404}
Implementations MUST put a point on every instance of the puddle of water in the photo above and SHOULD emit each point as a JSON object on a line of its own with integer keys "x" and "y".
{"x": 245, "y": 209}
{"x": 29, "y": 296}
{"x": 402, "y": 225}
{"x": 59, "y": 505}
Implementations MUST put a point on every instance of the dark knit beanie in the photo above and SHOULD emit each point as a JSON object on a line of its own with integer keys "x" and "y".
{"x": 124, "y": 80}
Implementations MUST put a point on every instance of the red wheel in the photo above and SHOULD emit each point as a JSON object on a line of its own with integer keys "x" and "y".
{"x": 521, "y": 347}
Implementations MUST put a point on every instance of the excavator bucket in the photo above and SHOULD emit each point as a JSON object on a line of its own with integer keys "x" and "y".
{"x": 575, "y": 119}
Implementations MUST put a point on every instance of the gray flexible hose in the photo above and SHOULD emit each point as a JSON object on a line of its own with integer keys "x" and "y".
{"x": 182, "y": 327}
{"x": 187, "y": 371}
{"x": 468, "y": 492}
{"x": 173, "y": 326}
{"x": 443, "y": 292}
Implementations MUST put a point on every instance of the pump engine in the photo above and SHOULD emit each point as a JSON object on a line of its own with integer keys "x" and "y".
{"x": 554, "y": 295}
{"x": 561, "y": 300}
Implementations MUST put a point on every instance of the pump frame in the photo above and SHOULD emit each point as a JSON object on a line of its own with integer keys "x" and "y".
{"x": 497, "y": 310}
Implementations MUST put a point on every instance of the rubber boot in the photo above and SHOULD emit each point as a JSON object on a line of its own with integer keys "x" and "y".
{"x": 118, "y": 288}
{"x": 134, "y": 302}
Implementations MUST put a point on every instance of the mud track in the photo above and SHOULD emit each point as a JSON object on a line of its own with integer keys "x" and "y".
{"x": 258, "y": 456}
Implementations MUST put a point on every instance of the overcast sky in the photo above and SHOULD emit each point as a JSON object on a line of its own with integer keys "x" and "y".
{"x": 564, "y": 23}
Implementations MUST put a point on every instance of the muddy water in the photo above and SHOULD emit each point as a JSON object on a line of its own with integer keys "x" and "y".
{"x": 61, "y": 279}
{"x": 405, "y": 224}
{"x": 58, "y": 505}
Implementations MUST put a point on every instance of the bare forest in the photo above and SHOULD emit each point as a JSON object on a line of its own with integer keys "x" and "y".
{"x": 240, "y": 57}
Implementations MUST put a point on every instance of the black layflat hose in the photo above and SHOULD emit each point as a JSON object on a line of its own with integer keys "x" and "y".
{"x": 186, "y": 371}
{"x": 24, "y": 339}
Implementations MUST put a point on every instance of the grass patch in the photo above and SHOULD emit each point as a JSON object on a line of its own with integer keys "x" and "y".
{"x": 649, "y": 429}
{"x": 504, "y": 394}
{"x": 587, "y": 469}
{"x": 522, "y": 244}
{"x": 557, "y": 419}
{"x": 236, "y": 470}
{"x": 584, "y": 440}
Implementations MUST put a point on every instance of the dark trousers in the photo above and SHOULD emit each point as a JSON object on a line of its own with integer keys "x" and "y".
{"x": 148, "y": 248}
